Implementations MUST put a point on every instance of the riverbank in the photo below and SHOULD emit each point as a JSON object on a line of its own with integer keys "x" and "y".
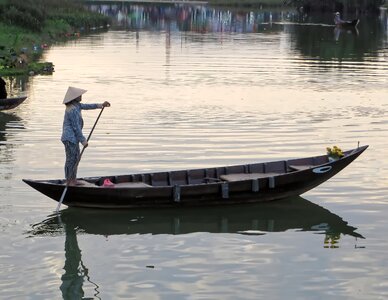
{"x": 247, "y": 3}
{"x": 28, "y": 27}
{"x": 311, "y": 5}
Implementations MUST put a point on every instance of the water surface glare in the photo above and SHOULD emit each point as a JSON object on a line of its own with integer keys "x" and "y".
{"x": 186, "y": 98}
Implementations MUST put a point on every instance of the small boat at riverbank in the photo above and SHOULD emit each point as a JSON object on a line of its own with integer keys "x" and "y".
{"x": 349, "y": 24}
{"x": 247, "y": 183}
{"x": 10, "y": 103}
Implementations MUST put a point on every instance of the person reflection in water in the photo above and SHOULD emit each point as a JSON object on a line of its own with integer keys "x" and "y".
{"x": 76, "y": 273}
{"x": 72, "y": 134}
{"x": 73, "y": 278}
{"x": 3, "y": 90}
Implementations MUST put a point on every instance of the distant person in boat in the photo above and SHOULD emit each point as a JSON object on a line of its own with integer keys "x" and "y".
{"x": 339, "y": 22}
{"x": 72, "y": 134}
{"x": 3, "y": 90}
{"x": 337, "y": 19}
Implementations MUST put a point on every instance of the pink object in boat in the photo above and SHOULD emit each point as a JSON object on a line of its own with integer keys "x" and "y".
{"x": 108, "y": 183}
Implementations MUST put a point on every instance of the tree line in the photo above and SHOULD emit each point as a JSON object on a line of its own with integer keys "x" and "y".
{"x": 354, "y": 6}
{"x": 27, "y": 27}
{"x": 34, "y": 14}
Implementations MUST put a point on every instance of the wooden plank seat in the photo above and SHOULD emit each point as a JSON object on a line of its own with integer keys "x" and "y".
{"x": 131, "y": 185}
{"x": 246, "y": 176}
{"x": 116, "y": 185}
{"x": 300, "y": 167}
{"x": 84, "y": 183}
{"x": 211, "y": 180}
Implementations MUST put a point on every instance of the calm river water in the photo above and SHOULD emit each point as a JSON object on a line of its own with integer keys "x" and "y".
{"x": 193, "y": 87}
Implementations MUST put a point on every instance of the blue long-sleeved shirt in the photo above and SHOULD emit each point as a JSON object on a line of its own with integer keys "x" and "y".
{"x": 73, "y": 122}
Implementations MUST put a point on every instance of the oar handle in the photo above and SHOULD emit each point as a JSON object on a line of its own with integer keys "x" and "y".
{"x": 91, "y": 132}
{"x": 95, "y": 123}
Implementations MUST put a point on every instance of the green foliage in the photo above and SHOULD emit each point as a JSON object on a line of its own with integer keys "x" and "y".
{"x": 53, "y": 28}
{"x": 81, "y": 19}
{"x": 40, "y": 68}
{"x": 11, "y": 72}
{"x": 34, "y": 15}
{"x": 27, "y": 24}
{"x": 11, "y": 37}
{"x": 26, "y": 13}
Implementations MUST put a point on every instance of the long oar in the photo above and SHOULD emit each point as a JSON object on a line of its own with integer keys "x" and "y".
{"x": 83, "y": 149}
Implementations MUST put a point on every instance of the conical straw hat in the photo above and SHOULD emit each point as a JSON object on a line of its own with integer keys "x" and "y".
{"x": 73, "y": 93}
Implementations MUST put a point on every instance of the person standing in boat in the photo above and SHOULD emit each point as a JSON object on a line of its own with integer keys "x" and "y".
{"x": 337, "y": 19}
{"x": 3, "y": 90}
{"x": 72, "y": 134}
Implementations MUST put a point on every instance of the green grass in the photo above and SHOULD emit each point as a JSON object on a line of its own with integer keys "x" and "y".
{"x": 25, "y": 25}
{"x": 15, "y": 37}
{"x": 12, "y": 40}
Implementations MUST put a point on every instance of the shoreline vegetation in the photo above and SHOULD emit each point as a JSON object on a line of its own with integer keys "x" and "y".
{"x": 359, "y": 6}
{"x": 28, "y": 27}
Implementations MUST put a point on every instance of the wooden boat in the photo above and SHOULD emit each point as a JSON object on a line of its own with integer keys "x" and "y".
{"x": 245, "y": 183}
{"x": 349, "y": 24}
{"x": 10, "y": 103}
{"x": 295, "y": 213}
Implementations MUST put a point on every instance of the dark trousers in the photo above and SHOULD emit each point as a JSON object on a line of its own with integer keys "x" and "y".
{"x": 72, "y": 158}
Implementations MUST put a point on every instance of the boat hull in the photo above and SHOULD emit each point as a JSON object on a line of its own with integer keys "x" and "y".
{"x": 349, "y": 24}
{"x": 266, "y": 187}
{"x": 10, "y": 103}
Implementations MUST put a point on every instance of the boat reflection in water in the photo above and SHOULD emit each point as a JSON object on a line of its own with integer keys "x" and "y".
{"x": 338, "y": 31}
{"x": 294, "y": 213}
{"x": 5, "y": 120}
{"x": 277, "y": 216}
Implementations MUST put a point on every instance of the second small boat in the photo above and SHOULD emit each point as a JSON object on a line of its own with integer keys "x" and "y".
{"x": 342, "y": 23}
{"x": 10, "y": 103}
